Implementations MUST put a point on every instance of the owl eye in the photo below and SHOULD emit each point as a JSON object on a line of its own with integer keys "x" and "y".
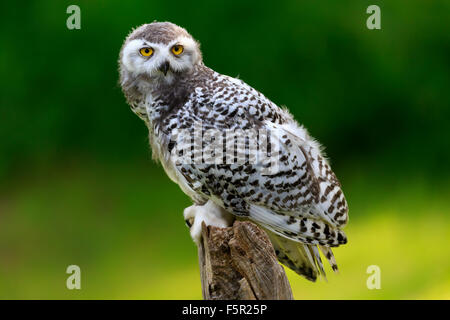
{"x": 177, "y": 49}
{"x": 146, "y": 52}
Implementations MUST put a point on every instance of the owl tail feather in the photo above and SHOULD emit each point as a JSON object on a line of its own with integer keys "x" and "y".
{"x": 330, "y": 257}
{"x": 302, "y": 258}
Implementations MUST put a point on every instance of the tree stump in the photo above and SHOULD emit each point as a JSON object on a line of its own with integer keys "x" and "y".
{"x": 239, "y": 263}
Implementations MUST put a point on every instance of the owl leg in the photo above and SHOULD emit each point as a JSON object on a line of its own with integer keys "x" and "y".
{"x": 210, "y": 213}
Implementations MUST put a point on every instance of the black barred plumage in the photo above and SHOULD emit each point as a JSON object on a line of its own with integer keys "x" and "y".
{"x": 297, "y": 198}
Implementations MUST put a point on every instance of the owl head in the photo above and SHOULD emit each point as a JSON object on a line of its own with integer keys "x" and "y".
{"x": 158, "y": 52}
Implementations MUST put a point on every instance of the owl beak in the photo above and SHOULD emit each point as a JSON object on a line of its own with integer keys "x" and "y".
{"x": 164, "y": 67}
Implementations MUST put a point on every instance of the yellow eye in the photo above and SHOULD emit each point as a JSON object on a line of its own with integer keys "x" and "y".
{"x": 177, "y": 49}
{"x": 146, "y": 52}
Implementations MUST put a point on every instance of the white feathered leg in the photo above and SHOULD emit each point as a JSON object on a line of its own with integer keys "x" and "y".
{"x": 210, "y": 213}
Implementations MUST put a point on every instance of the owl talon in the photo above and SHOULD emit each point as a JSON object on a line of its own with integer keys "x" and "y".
{"x": 189, "y": 222}
{"x": 189, "y": 213}
{"x": 210, "y": 213}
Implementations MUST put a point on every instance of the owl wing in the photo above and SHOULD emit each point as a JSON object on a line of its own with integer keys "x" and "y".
{"x": 292, "y": 200}
{"x": 297, "y": 198}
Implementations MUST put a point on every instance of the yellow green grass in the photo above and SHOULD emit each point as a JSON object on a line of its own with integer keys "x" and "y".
{"x": 124, "y": 228}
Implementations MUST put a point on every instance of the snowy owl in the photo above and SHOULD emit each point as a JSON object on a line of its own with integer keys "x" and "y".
{"x": 231, "y": 150}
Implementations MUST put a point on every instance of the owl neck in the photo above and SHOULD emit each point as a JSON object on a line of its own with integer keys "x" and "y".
{"x": 166, "y": 98}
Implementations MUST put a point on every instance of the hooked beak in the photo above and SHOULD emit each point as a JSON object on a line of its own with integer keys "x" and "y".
{"x": 164, "y": 67}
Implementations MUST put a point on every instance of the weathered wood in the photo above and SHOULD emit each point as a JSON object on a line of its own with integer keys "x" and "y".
{"x": 239, "y": 263}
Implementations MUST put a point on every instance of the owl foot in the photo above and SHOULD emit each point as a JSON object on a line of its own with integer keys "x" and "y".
{"x": 210, "y": 213}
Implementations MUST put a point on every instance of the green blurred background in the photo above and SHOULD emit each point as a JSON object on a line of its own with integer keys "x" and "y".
{"x": 77, "y": 185}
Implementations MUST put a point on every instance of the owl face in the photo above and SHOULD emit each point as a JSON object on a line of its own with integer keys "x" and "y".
{"x": 158, "y": 51}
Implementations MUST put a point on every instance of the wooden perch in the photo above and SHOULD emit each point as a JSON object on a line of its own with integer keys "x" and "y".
{"x": 239, "y": 263}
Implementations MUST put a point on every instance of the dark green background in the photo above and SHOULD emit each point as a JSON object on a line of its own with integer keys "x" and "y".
{"x": 77, "y": 185}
